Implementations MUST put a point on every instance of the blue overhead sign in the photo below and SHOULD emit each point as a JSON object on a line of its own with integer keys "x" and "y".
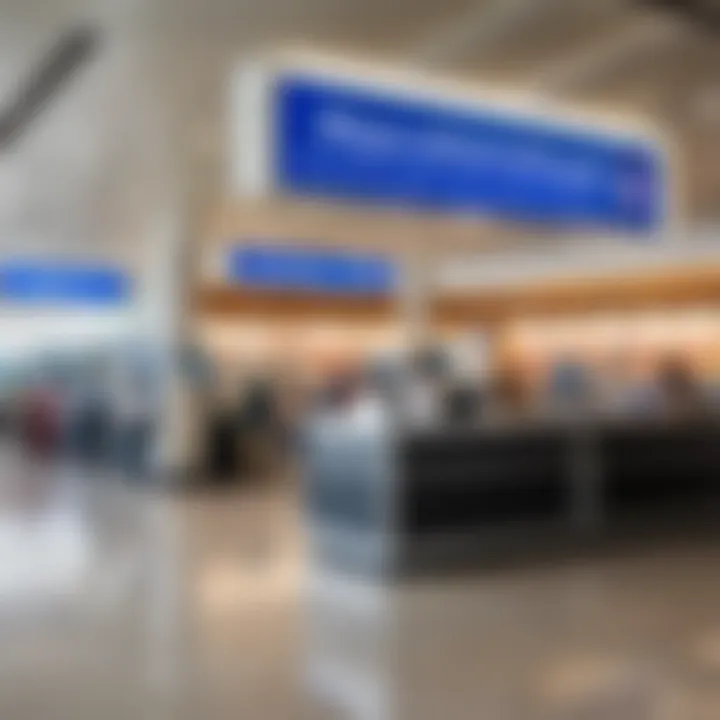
{"x": 317, "y": 271}
{"x": 56, "y": 284}
{"x": 365, "y": 144}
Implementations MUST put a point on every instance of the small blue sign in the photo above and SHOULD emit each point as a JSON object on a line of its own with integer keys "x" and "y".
{"x": 285, "y": 268}
{"x": 46, "y": 283}
{"x": 362, "y": 144}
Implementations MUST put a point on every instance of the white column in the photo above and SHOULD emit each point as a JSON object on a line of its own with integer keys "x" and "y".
{"x": 166, "y": 233}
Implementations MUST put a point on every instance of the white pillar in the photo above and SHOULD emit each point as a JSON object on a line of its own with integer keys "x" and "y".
{"x": 166, "y": 236}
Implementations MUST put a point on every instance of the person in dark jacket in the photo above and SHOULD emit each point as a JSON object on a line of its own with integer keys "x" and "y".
{"x": 261, "y": 425}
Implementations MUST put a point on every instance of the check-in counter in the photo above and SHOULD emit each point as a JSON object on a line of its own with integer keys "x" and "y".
{"x": 393, "y": 501}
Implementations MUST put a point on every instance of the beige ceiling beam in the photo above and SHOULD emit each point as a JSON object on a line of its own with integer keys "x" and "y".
{"x": 484, "y": 25}
{"x": 576, "y": 70}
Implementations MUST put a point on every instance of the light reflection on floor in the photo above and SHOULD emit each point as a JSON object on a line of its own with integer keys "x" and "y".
{"x": 117, "y": 602}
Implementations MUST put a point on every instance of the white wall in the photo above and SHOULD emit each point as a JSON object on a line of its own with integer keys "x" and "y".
{"x": 94, "y": 179}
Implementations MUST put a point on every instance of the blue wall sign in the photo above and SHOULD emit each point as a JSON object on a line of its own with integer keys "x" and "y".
{"x": 361, "y": 144}
{"x": 56, "y": 284}
{"x": 286, "y": 268}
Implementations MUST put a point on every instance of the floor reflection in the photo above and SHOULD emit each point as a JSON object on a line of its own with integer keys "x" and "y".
{"x": 120, "y": 602}
{"x": 623, "y": 639}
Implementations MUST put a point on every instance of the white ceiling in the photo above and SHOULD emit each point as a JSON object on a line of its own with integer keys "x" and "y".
{"x": 150, "y": 109}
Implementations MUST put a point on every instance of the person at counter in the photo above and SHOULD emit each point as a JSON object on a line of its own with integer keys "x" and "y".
{"x": 426, "y": 387}
{"x": 510, "y": 397}
{"x": 680, "y": 394}
{"x": 571, "y": 387}
{"x": 620, "y": 391}
{"x": 261, "y": 424}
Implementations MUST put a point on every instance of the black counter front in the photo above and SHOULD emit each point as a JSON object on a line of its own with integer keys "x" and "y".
{"x": 391, "y": 501}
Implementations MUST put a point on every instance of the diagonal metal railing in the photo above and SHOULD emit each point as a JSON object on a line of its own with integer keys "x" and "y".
{"x": 46, "y": 80}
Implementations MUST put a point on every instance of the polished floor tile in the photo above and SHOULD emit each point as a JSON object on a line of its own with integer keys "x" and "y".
{"x": 119, "y": 602}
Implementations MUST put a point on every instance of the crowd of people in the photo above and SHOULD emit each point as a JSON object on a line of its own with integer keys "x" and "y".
{"x": 255, "y": 424}
{"x": 92, "y": 410}
{"x": 428, "y": 389}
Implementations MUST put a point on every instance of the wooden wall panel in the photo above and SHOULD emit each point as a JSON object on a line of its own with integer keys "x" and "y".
{"x": 228, "y": 302}
{"x": 699, "y": 286}
{"x": 695, "y": 286}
